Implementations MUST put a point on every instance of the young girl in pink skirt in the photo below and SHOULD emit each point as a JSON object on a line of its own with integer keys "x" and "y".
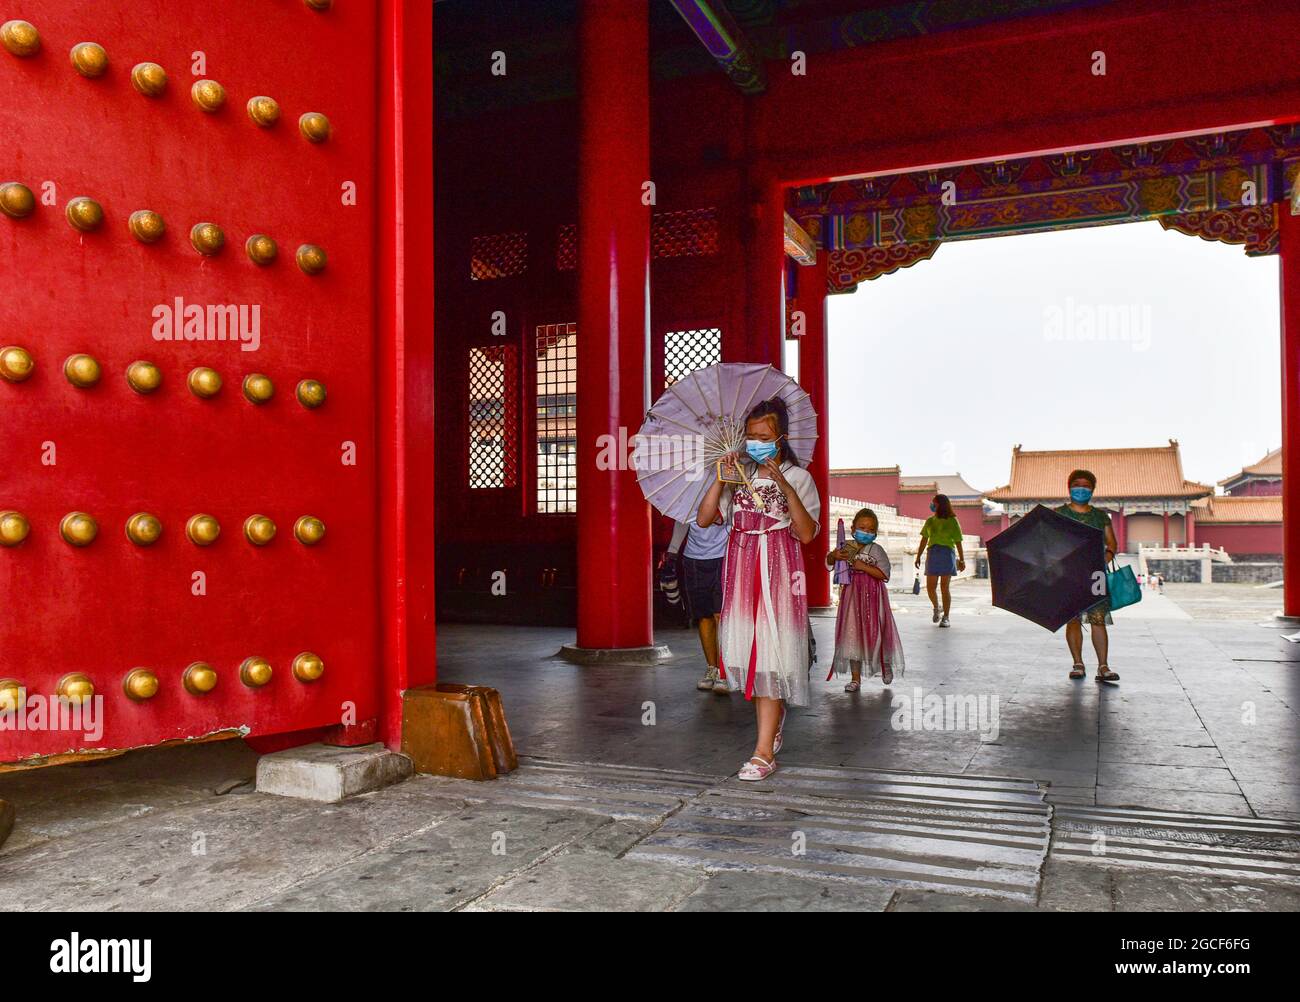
{"x": 763, "y": 628}
{"x": 865, "y": 631}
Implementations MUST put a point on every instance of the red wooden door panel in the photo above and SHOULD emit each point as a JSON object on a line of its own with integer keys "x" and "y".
{"x": 112, "y": 606}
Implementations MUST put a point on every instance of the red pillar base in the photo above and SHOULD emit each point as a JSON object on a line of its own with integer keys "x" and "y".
{"x": 637, "y": 656}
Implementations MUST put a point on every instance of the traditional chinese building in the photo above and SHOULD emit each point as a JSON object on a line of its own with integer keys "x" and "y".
{"x": 1143, "y": 489}
{"x": 911, "y": 495}
{"x": 624, "y": 190}
{"x": 1246, "y": 520}
{"x": 1248, "y": 527}
{"x": 1261, "y": 479}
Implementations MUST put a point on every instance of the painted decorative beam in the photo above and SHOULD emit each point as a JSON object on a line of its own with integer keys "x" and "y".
{"x": 722, "y": 36}
{"x": 798, "y": 243}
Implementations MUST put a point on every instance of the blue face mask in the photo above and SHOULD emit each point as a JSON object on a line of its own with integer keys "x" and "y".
{"x": 760, "y": 452}
{"x": 864, "y": 537}
{"x": 1080, "y": 495}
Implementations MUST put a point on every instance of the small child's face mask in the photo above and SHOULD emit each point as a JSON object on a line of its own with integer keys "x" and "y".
{"x": 864, "y": 537}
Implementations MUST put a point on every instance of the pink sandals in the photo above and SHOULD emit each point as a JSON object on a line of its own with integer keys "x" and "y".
{"x": 780, "y": 729}
{"x": 757, "y": 768}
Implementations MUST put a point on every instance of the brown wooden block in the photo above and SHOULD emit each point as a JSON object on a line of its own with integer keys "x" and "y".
{"x": 7, "y": 816}
{"x": 456, "y": 730}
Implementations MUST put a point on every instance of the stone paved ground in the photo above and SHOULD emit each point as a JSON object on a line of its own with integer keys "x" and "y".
{"x": 1179, "y": 789}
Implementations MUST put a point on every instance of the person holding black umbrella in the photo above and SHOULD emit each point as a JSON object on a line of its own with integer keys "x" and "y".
{"x": 1082, "y": 485}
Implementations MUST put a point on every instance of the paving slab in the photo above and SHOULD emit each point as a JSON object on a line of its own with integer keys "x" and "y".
{"x": 738, "y": 891}
{"x": 459, "y": 858}
{"x": 67, "y": 799}
{"x": 593, "y": 882}
{"x": 223, "y": 853}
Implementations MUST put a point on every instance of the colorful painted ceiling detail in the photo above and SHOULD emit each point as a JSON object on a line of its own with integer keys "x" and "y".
{"x": 1256, "y": 228}
{"x": 849, "y": 267}
{"x": 719, "y": 33}
{"x": 1219, "y": 187}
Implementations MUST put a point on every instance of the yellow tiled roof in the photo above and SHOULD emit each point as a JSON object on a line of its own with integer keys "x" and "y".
{"x": 1226, "y": 508}
{"x": 1269, "y": 466}
{"x": 1155, "y": 472}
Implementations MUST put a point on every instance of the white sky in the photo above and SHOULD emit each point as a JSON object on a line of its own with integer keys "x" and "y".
{"x": 942, "y": 367}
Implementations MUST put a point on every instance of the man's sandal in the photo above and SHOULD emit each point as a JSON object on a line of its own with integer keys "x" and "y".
{"x": 1078, "y": 671}
{"x": 757, "y": 768}
{"x": 1104, "y": 674}
{"x": 853, "y": 686}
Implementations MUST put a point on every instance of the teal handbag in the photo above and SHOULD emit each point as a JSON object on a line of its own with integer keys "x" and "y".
{"x": 1122, "y": 587}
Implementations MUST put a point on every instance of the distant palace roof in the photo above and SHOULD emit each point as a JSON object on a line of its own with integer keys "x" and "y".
{"x": 1229, "y": 509}
{"x": 1154, "y": 472}
{"x": 951, "y": 484}
{"x": 1269, "y": 466}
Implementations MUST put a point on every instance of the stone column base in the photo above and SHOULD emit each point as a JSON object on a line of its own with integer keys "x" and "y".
{"x": 1283, "y": 621}
{"x": 638, "y": 656}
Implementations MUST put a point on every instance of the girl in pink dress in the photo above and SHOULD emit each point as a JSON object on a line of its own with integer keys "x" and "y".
{"x": 763, "y": 628}
{"x": 865, "y": 631}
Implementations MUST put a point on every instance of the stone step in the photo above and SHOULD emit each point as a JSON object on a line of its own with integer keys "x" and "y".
{"x": 1186, "y": 843}
{"x": 932, "y": 831}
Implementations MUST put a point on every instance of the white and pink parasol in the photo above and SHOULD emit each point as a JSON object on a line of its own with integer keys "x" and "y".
{"x": 700, "y": 419}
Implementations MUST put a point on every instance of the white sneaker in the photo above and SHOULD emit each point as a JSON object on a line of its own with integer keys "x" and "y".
{"x": 721, "y": 688}
{"x": 935, "y": 617}
{"x": 710, "y": 680}
{"x": 944, "y": 622}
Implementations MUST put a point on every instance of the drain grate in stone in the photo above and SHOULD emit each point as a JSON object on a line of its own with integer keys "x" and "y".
{"x": 983, "y": 835}
{"x": 1217, "y": 844}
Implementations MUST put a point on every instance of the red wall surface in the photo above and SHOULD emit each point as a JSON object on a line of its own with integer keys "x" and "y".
{"x": 1259, "y": 489}
{"x": 1241, "y": 538}
{"x": 874, "y": 488}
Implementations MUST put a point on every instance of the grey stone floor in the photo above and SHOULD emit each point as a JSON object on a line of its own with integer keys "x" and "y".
{"x": 1179, "y": 789}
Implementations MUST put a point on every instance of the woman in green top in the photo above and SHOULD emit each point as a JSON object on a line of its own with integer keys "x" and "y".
{"x": 1082, "y": 484}
{"x": 942, "y": 533}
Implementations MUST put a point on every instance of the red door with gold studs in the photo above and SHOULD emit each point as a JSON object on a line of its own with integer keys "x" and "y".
{"x": 189, "y": 293}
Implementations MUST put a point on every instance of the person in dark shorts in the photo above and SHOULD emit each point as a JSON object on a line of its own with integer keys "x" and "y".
{"x": 702, "y": 557}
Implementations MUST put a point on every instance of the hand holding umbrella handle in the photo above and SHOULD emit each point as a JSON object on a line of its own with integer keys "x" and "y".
{"x": 735, "y": 463}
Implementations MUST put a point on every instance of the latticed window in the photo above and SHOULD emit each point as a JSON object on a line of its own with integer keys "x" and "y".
{"x": 566, "y": 247}
{"x": 498, "y": 255}
{"x": 686, "y": 351}
{"x": 493, "y": 417}
{"x": 684, "y": 233}
{"x": 557, "y": 418}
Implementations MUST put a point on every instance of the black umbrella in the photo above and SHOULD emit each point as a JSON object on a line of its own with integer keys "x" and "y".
{"x": 1047, "y": 568}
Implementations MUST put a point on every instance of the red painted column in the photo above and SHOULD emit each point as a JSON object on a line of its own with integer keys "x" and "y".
{"x": 405, "y": 356}
{"x": 813, "y": 377}
{"x": 614, "y": 597}
{"x": 765, "y": 273}
{"x": 1289, "y": 227}
{"x": 1166, "y": 521}
{"x": 1189, "y": 527}
{"x": 1121, "y": 529}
